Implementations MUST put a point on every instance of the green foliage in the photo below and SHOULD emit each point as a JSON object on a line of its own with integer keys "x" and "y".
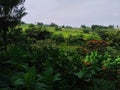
{"x": 98, "y": 27}
{"x": 86, "y": 30}
{"x": 53, "y": 25}
{"x": 10, "y": 16}
{"x": 101, "y": 84}
{"x": 98, "y": 45}
{"x": 83, "y": 26}
{"x": 79, "y": 40}
{"x": 16, "y": 37}
{"x": 38, "y": 34}
{"x": 8, "y": 12}
{"x": 58, "y": 38}
{"x": 112, "y": 51}
{"x": 57, "y": 28}
{"x": 113, "y": 36}
{"x": 94, "y": 36}
{"x": 40, "y": 63}
{"x": 112, "y": 63}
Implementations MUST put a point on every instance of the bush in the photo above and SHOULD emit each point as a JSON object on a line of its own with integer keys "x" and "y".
{"x": 112, "y": 36}
{"x": 98, "y": 45}
{"x": 82, "y": 51}
{"x": 79, "y": 40}
{"x": 58, "y": 38}
{"x": 16, "y": 36}
{"x": 86, "y": 30}
{"x": 94, "y": 36}
{"x": 112, "y": 51}
{"x": 58, "y": 28}
{"x": 38, "y": 34}
{"x": 44, "y": 34}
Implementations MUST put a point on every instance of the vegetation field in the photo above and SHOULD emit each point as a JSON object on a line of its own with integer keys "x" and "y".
{"x": 52, "y": 57}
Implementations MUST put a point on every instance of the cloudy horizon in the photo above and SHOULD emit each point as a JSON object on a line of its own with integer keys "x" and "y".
{"x": 73, "y": 12}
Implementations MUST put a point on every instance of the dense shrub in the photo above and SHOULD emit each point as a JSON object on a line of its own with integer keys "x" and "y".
{"x": 79, "y": 40}
{"x": 82, "y": 51}
{"x": 58, "y": 38}
{"x": 112, "y": 51}
{"x": 16, "y": 36}
{"x": 44, "y": 34}
{"x": 112, "y": 36}
{"x": 38, "y": 34}
{"x": 94, "y": 36}
{"x": 86, "y": 30}
{"x": 58, "y": 28}
{"x": 98, "y": 45}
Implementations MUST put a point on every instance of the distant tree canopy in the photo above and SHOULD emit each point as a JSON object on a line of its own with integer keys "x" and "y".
{"x": 40, "y": 23}
{"x": 83, "y": 26}
{"x": 11, "y": 12}
{"x": 95, "y": 27}
{"x": 53, "y": 25}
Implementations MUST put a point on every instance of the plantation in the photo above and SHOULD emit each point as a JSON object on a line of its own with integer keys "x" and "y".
{"x": 52, "y": 57}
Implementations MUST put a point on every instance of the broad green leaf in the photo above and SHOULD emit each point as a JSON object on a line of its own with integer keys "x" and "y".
{"x": 30, "y": 75}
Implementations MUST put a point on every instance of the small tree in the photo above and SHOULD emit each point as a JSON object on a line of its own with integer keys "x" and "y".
{"x": 11, "y": 12}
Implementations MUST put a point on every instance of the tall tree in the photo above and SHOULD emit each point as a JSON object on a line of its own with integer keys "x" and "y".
{"x": 11, "y": 12}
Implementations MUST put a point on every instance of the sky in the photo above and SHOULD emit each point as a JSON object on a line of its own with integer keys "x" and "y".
{"x": 73, "y": 12}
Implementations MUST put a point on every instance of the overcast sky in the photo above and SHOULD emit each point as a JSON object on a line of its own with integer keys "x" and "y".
{"x": 73, "y": 12}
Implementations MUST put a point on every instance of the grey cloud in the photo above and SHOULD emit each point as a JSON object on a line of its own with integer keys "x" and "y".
{"x": 73, "y": 12}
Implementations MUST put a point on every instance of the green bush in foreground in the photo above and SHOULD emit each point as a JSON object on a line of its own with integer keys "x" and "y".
{"x": 49, "y": 68}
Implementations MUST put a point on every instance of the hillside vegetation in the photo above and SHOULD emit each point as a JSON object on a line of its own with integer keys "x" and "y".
{"x": 52, "y": 57}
